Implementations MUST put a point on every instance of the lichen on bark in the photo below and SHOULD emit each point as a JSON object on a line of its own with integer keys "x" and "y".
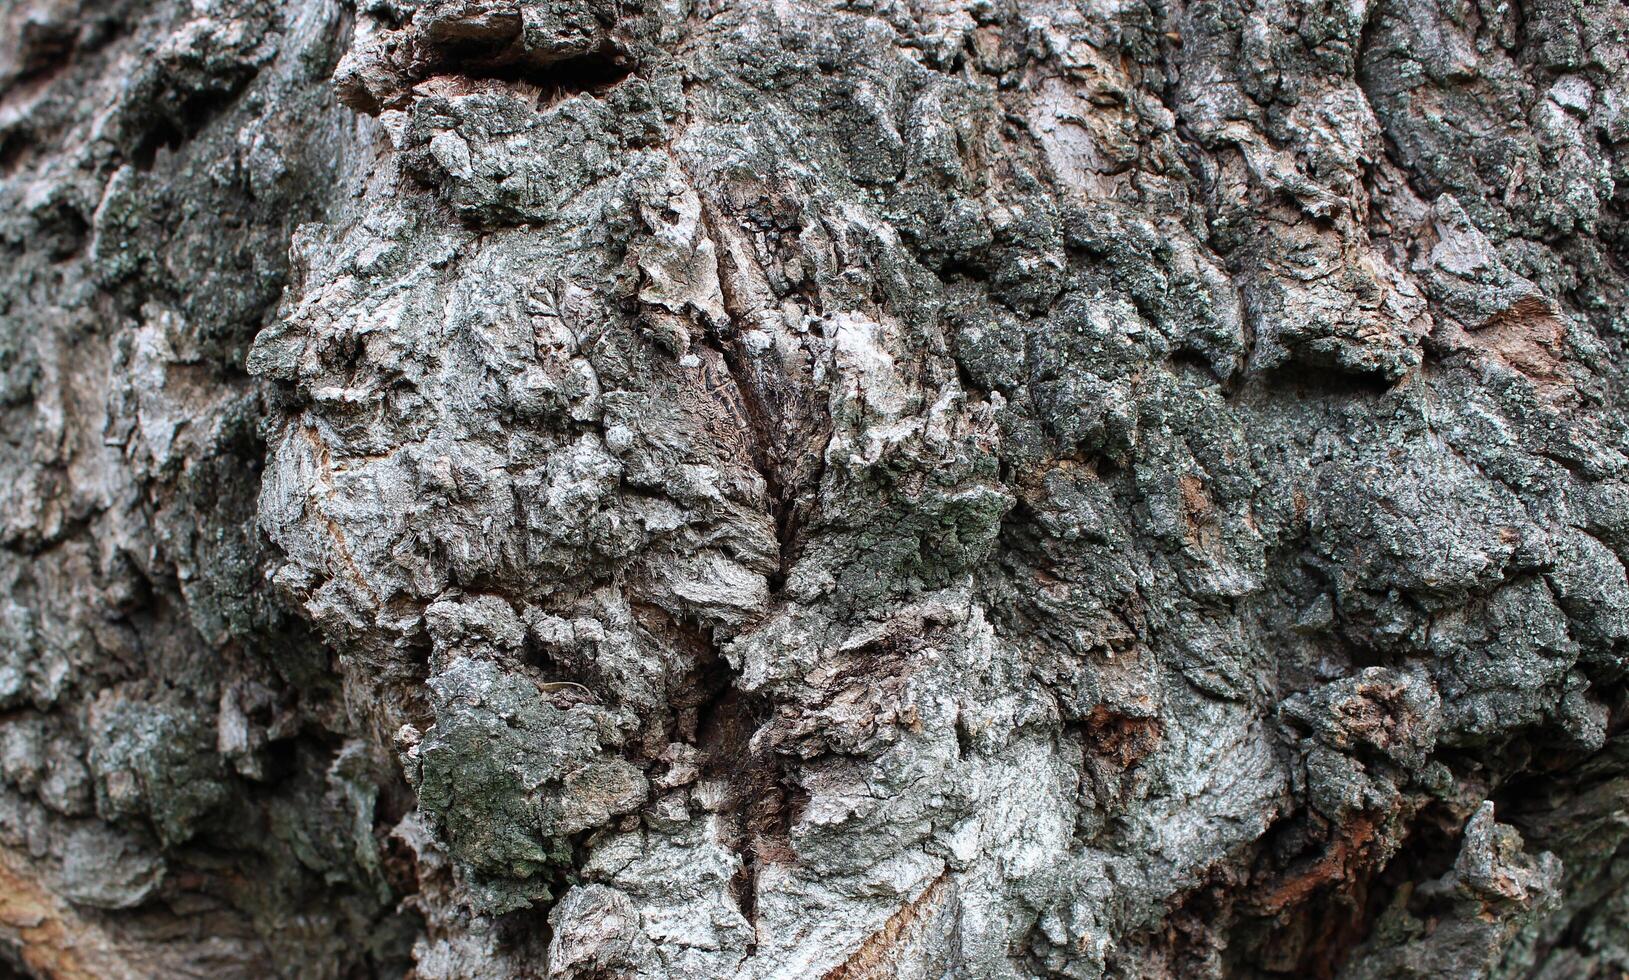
{"x": 702, "y": 488}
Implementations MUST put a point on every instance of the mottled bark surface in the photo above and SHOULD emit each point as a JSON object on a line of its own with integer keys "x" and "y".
{"x": 935, "y": 488}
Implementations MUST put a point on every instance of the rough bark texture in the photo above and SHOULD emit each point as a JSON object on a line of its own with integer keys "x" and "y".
{"x": 770, "y": 488}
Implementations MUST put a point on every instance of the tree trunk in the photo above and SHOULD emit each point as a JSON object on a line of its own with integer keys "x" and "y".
{"x": 952, "y": 488}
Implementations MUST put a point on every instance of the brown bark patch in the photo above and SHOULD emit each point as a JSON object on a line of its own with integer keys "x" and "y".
{"x": 1527, "y": 336}
{"x": 1346, "y": 856}
{"x": 1122, "y": 739}
{"x": 882, "y": 952}
{"x": 1200, "y": 527}
{"x": 49, "y": 938}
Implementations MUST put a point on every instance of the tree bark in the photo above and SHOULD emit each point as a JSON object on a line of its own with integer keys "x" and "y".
{"x": 771, "y": 488}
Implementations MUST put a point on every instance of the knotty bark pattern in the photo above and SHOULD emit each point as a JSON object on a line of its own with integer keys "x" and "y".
{"x": 572, "y": 488}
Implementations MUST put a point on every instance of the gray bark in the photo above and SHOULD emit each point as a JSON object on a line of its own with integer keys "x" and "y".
{"x": 771, "y": 488}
